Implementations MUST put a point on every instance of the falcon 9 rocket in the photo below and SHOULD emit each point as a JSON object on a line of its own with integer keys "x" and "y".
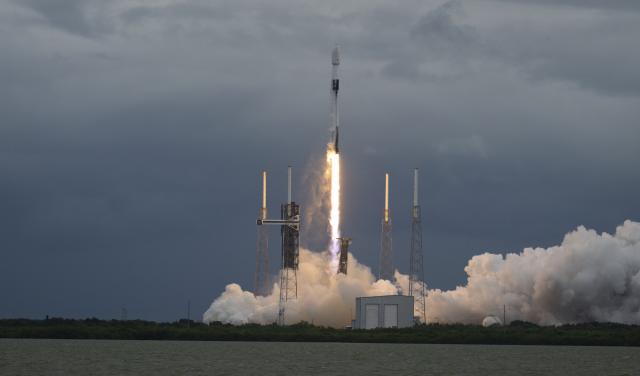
{"x": 333, "y": 164}
{"x": 335, "y": 85}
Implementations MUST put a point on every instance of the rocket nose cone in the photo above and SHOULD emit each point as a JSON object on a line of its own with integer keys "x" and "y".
{"x": 335, "y": 56}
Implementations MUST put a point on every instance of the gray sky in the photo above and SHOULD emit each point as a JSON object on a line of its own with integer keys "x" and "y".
{"x": 133, "y": 134}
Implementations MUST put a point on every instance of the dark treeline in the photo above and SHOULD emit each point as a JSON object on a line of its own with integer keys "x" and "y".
{"x": 517, "y": 333}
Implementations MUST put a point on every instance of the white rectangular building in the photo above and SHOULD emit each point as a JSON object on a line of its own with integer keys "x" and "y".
{"x": 389, "y": 311}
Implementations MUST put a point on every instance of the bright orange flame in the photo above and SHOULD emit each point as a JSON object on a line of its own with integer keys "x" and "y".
{"x": 333, "y": 164}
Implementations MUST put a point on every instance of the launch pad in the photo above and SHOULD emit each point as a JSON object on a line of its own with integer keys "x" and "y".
{"x": 289, "y": 223}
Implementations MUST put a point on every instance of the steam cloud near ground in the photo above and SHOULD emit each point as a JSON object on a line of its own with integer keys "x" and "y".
{"x": 588, "y": 277}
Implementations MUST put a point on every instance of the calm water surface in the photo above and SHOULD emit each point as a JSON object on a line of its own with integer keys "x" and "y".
{"x": 89, "y": 357}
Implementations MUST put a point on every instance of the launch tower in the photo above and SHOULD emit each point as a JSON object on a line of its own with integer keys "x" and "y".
{"x": 289, "y": 213}
{"x": 289, "y": 223}
{"x": 261, "y": 279}
{"x": 417, "y": 288}
{"x": 386, "y": 250}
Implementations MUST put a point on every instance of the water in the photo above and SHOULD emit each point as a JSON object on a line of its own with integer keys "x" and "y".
{"x": 89, "y": 357}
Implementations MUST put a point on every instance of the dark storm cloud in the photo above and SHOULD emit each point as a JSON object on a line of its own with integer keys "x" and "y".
{"x": 438, "y": 24}
{"x": 130, "y": 156}
{"x": 436, "y": 36}
{"x": 81, "y": 17}
{"x": 436, "y": 47}
{"x": 594, "y": 51}
{"x": 624, "y": 5}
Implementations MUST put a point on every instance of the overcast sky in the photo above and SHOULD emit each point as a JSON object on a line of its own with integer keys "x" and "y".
{"x": 133, "y": 133}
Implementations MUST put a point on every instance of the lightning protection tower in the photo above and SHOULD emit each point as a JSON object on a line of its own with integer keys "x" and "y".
{"x": 417, "y": 288}
{"x": 289, "y": 223}
{"x": 262, "y": 283}
{"x": 386, "y": 250}
{"x": 344, "y": 255}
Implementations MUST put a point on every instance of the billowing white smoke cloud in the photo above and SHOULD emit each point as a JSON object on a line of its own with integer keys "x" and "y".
{"x": 323, "y": 298}
{"x": 589, "y": 277}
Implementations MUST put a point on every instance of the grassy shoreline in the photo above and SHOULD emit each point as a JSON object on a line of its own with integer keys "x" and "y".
{"x": 518, "y": 333}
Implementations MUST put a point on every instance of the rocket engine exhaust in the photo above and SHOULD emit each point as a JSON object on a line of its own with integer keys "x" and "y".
{"x": 333, "y": 164}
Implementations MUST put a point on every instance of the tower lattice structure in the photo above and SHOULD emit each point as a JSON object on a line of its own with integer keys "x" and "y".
{"x": 417, "y": 287}
{"x": 289, "y": 223}
{"x": 385, "y": 270}
{"x": 262, "y": 282}
{"x": 386, "y": 252}
{"x": 290, "y": 254}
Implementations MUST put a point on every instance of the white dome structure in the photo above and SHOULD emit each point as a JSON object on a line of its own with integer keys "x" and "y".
{"x": 491, "y": 321}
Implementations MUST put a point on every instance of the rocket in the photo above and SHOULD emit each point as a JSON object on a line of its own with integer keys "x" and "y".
{"x": 335, "y": 85}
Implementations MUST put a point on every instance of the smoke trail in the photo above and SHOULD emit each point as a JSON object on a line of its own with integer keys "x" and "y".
{"x": 317, "y": 198}
{"x": 588, "y": 277}
{"x": 322, "y": 206}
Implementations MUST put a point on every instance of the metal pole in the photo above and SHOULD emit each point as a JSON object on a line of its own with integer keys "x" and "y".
{"x": 289, "y": 185}
{"x": 386, "y": 197}
{"x": 415, "y": 187}
{"x": 264, "y": 193}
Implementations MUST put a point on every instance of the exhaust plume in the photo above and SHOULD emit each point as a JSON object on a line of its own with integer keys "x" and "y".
{"x": 333, "y": 165}
{"x": 588, "y": 277}
{"x": 324, "y": 298}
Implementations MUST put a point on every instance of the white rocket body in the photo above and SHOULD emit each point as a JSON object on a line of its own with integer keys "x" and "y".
{"x": 335, "y": 86}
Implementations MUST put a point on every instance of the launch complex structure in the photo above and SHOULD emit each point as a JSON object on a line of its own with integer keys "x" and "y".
{"x": 417, "y": 287}
{"x": 385, "y": 270}
{"x": 289, "y": 223}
